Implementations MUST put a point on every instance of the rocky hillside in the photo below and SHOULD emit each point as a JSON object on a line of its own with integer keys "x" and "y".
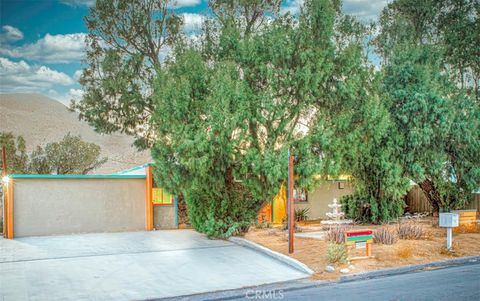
{"x": 40, "y": 120}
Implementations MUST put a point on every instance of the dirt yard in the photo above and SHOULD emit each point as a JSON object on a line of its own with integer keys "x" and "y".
{"x": 312, "y": 252}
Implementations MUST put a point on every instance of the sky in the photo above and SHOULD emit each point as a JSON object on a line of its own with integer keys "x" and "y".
{"x": 42, "y": 42}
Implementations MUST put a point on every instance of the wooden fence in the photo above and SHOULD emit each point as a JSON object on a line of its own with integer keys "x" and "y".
{"x": 417, "y": 202}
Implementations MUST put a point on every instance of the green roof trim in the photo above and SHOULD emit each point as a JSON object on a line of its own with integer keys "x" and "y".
{"x": 36, "y": 176}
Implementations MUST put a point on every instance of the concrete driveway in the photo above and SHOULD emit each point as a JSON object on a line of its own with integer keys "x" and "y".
{"x": 130, "y": 266}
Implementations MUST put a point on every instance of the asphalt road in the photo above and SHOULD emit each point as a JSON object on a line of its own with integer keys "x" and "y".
{"x": 453, "y": 283}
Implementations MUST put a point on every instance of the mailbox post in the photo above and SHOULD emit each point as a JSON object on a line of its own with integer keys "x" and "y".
{"x": 449, "y": 221}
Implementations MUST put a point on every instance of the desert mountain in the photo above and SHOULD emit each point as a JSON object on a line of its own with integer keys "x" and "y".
{"x": 41, "y": 120}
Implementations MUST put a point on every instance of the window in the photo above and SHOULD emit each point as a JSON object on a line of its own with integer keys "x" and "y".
{"x": 161, "y": 198}
{"x": 300, "y": 195}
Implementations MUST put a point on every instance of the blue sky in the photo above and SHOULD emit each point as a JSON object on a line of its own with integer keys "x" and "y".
{"x": 41, "y": 42}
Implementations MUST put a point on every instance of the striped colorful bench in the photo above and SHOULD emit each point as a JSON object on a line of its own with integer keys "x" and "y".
{"x": 360, "y": 239}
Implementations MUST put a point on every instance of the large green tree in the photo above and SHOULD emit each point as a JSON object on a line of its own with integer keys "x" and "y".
{"x": 431, "y": 86}
{"x": 451, "y": 26}
{"x": 230, "y": 107}
{"x": 125, "y": 46}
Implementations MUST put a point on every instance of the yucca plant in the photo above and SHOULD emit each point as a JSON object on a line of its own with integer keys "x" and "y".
{"x": 301, "y": 214}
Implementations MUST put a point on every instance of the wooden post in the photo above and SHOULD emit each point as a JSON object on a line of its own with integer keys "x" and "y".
{"x": 369, "y": 249}
{"x": 291, "y": 212}
{"x": 8, "y": 198}
{"x": 148, "y": 199}
{"x": 9, "y": 212}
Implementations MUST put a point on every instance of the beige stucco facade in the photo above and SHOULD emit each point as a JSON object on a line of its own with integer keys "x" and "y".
{"x": 323, "y": 195}
{"x": 66, "y": 206}
{"x": 164, "y": 217}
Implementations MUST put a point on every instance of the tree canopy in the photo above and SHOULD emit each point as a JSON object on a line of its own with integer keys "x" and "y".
{"x": 71, "y": 155}
{"x": 222, "y": 110}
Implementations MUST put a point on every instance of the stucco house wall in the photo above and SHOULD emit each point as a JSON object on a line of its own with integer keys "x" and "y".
{"x": 323, "y": 195}
{"x": 164, "y": 217}
{"x": 50, "y": 206}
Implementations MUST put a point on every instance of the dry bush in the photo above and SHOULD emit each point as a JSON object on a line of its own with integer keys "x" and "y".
{"x": 429, "y": 234}
{"x": 337, "y": 253}
{"x": 404, "y": 252}
{"x": 385, "y": 236}
{"x": 337, "y": 234}
{"x": 409, "y": 231}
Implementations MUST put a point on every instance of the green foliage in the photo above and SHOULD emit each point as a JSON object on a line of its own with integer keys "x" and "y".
{"x": 227, "y": 114}
{"x": 301, "y": 214}
{"x": 71, "y": 155}
{"x": 17, "y": 157}
{"x": 366, "y": 209}
{"x": 125, "y": 44}
{"x": 431, "y": 90}
{"x": 337, "y": 253}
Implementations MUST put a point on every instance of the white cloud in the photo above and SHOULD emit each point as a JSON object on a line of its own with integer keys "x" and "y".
{"x": 77, "y": 74}
{"x": 365, "y": 10}
{"x": 22, "y": 77}
{"x": 292, "y": 7}
{"x": 10, "y": 34}
{"x": 66, "y": 97}
{"x": 184, "y": 3}
{"x": 78, "y": 2}
{"x": 88, "y": 3}
{"x": 192, "y": 22}
{"x": 50, "y": 49}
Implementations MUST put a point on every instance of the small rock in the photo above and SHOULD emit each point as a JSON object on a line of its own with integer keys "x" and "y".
{"x": 344, "y": 271}
{"x": 351, "y": 267}
{"x": 329, "y": 269}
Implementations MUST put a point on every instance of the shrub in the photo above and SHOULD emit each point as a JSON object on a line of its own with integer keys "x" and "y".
{"x": 367, "y": 209}
{"x": 336, "y": 253}
{"x": 409, "y": 231}
{"x": 301, "y": 214}
{"x": 385, "y": 236}
{"x": 336, "y": 234}
{"x": 221, "y": 217}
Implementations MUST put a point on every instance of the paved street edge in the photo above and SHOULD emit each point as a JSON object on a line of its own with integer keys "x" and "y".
{"x": 307, "y": 283}
{"x": 410, "y": 268}
{"x": 278, "y": 256}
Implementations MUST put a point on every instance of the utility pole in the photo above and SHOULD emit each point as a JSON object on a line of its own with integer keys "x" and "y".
{"x": 290, "y": 205}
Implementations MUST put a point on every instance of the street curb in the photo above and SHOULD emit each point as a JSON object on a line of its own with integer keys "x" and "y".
{"x": 308, "y": 283}
{"x": 278, "y": 256}
{"x": 410, "y": 268}
{"x": 233, "y": 294}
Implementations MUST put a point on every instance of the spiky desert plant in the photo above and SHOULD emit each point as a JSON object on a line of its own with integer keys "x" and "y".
{"x": 409, "y": 231}
{"x": 385, "y": 236}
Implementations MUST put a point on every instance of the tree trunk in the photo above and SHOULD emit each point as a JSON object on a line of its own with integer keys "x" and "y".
{"x": 432, "y": 195}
